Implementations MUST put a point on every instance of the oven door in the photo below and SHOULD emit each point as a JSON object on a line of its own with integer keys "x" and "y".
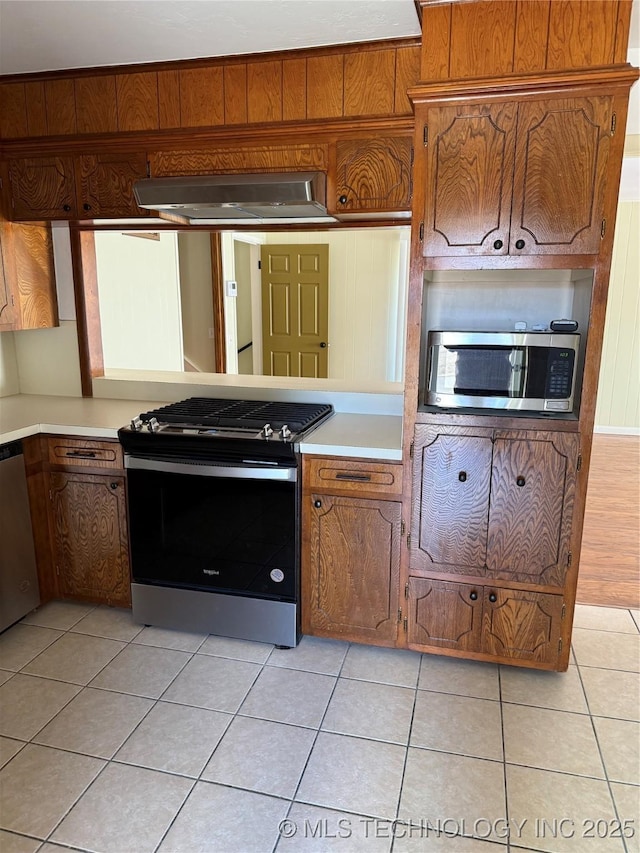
{"x": 218, "y": 528}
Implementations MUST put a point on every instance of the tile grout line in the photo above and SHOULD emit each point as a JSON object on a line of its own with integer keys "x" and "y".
{"x": 504, "y": 760}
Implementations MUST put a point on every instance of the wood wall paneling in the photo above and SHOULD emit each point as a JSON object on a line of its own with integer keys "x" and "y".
{"x": 622, "y": 31}
{"x": 407, "y": 74}
{"x": 294, "y": 89}
{"x": 169, "y": 99}
{"x": 201, "y": 97}
{"x": 13, "y": 111}
{"x": 369, "y": 83}
{"x": 96, "y": 104}
{"x": 482, "y": 39}
{"x": 137, "y": 99}
{"x": 36, "y": 110}
{"x": 235, "y": 94}
{"x": 532, "y": 33}
{"x": 436, "y": 42}
{"x": 325, "y": 86}
{"x": 237, "y": 159}
{"x": 264, "y": 91}
{"x": 581, "y": 32}
{"x": 60, "y": 104}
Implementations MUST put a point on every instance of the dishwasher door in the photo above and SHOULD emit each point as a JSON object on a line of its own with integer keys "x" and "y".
{"x": 19, "y": 591}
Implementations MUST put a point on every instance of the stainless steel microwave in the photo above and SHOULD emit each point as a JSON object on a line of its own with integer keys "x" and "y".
{"x": 528, "y": 371}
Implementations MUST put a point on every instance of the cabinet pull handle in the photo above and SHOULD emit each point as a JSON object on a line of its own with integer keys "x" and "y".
{"x": 317, "y": 504}
{"x": 498, "y": 244}
{"x": 66, "y": 208}
{"x": 462, "y": 476}
{"x": 519, "y": 244}
{"x": 85, "y": 454}
{"x": 493, "y": 597}
{"x": 520, "y": 481}
{"x": 359, "y": 478}
{"x": 343, "y": 199}
{"x": 113, "y": 485}
{"x": 473, "y": 595}
{"x": 86, "y": 206}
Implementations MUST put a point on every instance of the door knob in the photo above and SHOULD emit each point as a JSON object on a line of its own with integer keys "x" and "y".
{"x": 323, "y": 344}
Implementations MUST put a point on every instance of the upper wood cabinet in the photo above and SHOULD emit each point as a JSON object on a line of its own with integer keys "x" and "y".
{"x": 28, "y": 298}
{"x": 84, "y": 187}
{"x": 372, "y": 174}
{"x": 492, "y": 503}
{"x": 519, "y": 179}
{"x": 7, "y": 299}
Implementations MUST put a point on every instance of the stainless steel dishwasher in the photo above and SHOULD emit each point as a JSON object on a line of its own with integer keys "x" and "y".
{"x": 19, "y": 591}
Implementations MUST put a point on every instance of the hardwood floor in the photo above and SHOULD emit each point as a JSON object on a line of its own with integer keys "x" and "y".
{"x": 610, "y": 562}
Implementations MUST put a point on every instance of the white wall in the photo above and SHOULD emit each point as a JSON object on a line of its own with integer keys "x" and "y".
{"x": 367, "y": 299}
{"x": 196, "y": 297}
{"x": 48, "y": 360}
{"x": 9, "y": 382}
{"x": 139, "y": 301}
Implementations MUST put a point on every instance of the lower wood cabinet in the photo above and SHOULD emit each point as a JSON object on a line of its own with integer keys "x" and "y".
{"x": 508, "y": 624}
{"x": 89, "y": 529}
{"x": 79, "y": 516}
{"x": 351, "y": 550}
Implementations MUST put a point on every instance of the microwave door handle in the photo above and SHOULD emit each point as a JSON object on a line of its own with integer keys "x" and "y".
{"x": 519, "y": 370}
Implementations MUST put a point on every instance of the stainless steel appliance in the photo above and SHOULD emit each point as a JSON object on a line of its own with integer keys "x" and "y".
{"x": 19, "y": 590}
{"x": 524, "y": 371}
{"x": 213, "y": 501}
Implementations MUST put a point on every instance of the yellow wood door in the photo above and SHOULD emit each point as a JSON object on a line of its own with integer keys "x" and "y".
{"x": 295, "y": 310}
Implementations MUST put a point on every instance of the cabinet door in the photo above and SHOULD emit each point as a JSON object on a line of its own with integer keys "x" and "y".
{"x": 90, "y": 537}
{"x": 373, "y": 174}
{"x": 445, "y": 615}
{"x": 523, "y": 625}
{"x": 105, "y": 184}
{"x": 532, "y": 489}
{"x": 470, "y": 152}
{"x": 352, "y": 590}
{"x": 560, "y": 166}
{"x": 42, "y": 188}
{"x": 450, "y": 504}
{"x": 7, "y": 307}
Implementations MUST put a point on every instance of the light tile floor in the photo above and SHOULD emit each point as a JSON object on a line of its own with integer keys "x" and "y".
{"x": 120, "y": 739}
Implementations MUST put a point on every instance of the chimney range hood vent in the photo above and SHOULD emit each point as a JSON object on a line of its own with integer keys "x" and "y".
{"x": 237, "y": 199}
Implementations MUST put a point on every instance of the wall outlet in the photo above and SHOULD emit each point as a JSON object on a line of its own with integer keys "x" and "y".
{"x": 232, "y": 288}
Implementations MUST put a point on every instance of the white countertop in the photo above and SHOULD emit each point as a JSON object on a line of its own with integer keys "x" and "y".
{"x": 359, "y": 435}
{"x": 362, "y": 436}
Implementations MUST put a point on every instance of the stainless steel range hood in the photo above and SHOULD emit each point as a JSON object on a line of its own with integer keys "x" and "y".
{"x": 237, "y": 199}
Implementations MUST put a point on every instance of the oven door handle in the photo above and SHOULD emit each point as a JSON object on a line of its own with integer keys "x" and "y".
{"x": 198, "y": 469}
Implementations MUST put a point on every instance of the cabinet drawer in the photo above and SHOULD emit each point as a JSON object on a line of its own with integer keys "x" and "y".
{"x": 353, "y": 475}
{"x": 85, "y": 452}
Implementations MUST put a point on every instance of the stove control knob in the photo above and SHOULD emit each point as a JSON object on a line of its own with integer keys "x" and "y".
{"x": 267, "y": 432}
{"x": 153, "y": 425}
{"x": 285, "y": 432}
{"x": 136, "y": 423}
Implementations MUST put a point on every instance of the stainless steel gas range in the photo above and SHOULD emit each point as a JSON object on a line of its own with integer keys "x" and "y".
{"x": 213, "y": 498}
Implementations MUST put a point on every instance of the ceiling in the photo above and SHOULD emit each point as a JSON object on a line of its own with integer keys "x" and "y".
{"x": 47, "y": 35}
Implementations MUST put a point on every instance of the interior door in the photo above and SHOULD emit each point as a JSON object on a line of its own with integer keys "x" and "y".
{"x": 295, "y": 310}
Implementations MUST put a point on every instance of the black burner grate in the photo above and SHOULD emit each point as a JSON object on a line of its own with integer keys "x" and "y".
{"x": 241, "y": 414}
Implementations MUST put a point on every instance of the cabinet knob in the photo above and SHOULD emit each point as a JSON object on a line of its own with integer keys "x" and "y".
{"x": 493, "y": 597}
{"x": 462, "y": 476}
{"x": 520, "y": 481}
{"x": 317, "y": 504}
{"x": 343, "y": 199}
{"x": 113, "y": 485}
{"x": 498, "y": 244}
{"x": 519, "y": 244}
{"x": 473, "y": 595}
{"x": 86, "y": 206}
{"x": 66, "y": 208}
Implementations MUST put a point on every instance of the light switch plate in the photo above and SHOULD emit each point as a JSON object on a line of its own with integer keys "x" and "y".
{"x": 232, "y": 288}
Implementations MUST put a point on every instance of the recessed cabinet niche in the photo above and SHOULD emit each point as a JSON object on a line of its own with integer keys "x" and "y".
{"x": 511, "y": 178}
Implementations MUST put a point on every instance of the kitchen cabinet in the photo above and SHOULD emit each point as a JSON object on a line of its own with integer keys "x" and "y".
{"x": 351, "y": 549}
{"x": 88, "y": 520}
{"x": 87, "y": 186}
{"x": 493, "y": 503}
{"x": 510, "y": 178}
{"x": 507, "y": 624}
{"x": 28, "y": 298}
{"x": 372, "y": 174}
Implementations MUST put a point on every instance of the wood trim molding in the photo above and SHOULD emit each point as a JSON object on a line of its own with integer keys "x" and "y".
{"x": 85, "y": 285}
{"x": 219, "y": 341}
